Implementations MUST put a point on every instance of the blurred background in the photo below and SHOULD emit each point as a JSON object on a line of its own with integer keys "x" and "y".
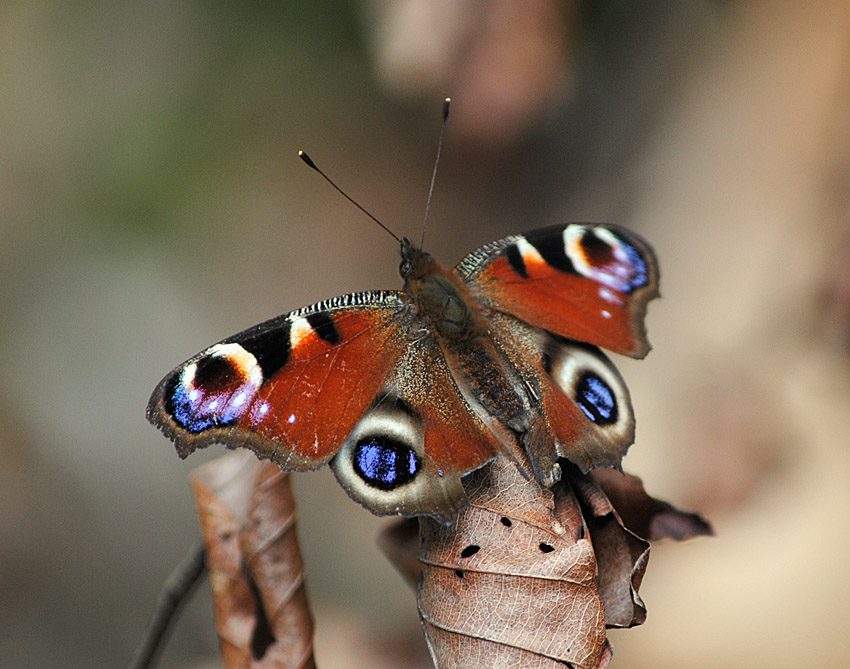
{"x": 151, "y": 203}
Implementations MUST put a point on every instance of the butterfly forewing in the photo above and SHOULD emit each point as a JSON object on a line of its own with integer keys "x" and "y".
{"x": 354, "y": 379}
{"x": 292, "y": 388}
{"x": 587, "y": 282}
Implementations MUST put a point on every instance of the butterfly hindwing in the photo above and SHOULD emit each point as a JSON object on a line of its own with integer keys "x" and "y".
{"x": 408, "y": 453}
{"x": 586, "y": 282}
{"x": 587, "y": 406}
{"x": 584, "y": 402}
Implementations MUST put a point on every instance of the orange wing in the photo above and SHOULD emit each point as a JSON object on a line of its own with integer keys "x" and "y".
{"x": 292, "y": 388}
{"x": 586, "y": 282}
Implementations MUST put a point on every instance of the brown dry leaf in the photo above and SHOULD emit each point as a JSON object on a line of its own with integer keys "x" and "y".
{"x": 511, "y": 584}
{"x": 247, "y": 518}
{"x": 527, "y": 577}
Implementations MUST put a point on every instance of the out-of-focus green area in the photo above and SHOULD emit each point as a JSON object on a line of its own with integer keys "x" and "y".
{"x": 151, "y": 203}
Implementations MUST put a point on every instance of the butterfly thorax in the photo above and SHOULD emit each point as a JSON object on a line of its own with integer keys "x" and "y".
{"x": 442, "y": 301}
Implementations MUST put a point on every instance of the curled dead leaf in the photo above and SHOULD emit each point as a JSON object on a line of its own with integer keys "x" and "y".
{"x": 524, "y": 576}
{"x": 649, "y": 518}
{"x": 247, "y": 518}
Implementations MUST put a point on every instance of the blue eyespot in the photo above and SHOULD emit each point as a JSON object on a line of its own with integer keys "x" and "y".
{"x": 384, "y": 463}
{"x": 215, "y": 391}
{"x": 596, "y": 399}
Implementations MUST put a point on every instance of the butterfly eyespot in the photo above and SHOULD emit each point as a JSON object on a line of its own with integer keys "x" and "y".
{"x": 214, "y": 391}
{"x": 385, "y": 463}
{"x": 600, "y": 254}
{"x": 215, "y": 372}
{"x": 596, "y": 399}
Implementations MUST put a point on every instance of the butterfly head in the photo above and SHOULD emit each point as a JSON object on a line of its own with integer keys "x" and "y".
{"x": 415, "y": 263}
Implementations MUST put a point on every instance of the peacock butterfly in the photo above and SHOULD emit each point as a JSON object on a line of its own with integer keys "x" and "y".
{"x": 405, "y": 392}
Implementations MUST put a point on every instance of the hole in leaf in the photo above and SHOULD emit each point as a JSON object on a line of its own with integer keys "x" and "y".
{"x": 469, "y": 551}
{"x": 459, "y": 573}
{"x": 506, "y": 521}
{"x": 546, "y": 548}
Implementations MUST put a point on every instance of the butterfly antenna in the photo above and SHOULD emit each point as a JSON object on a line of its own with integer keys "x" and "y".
{"x": 446, "y": 104}
{"x": 309, "y": 161}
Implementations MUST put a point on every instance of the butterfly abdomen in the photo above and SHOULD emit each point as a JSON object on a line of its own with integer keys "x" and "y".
{"x": 487, "y": 378}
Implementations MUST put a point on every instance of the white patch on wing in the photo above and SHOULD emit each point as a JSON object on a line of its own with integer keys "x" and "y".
{"x": 530, "y": 255}
{"x": 299, "y": 329}
{"x": 260, "y": 411}
{"x": 609, "y": 296}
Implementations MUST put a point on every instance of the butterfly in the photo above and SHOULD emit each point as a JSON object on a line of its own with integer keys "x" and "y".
{"x": 405, "y": 392}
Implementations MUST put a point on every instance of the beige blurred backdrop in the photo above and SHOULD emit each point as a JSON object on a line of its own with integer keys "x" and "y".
{"x": 151, "y": 203}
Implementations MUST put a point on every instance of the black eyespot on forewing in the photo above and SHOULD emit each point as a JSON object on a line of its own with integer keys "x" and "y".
{"x": 599, "y": 252}
{"x": 549, "y": 242}
{"x": 324, "y": 326}
{"x": 215, "y": 373}
{"x": 631, "y": 272}
{"x": 269, "y": 344}
{"x": 385, "y": 463}
{"x": 515, "y": 260}
{"x": 596, "y": 399}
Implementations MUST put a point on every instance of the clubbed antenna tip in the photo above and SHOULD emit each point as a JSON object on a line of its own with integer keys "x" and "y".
{"x": 303, "y": 155}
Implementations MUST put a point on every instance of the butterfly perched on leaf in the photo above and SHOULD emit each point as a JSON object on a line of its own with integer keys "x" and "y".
{"x": 405, "y": 392}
